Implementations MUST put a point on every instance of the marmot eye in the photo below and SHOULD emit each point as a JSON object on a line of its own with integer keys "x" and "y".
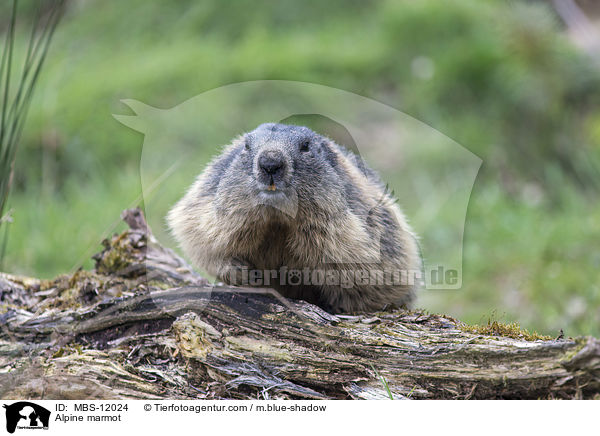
{"x": 304, "y": 146}
{"x": 247, "y": 144}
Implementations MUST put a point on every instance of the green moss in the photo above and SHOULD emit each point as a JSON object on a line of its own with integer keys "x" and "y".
{"x": 82, "y": 288}
{"x": 6, "y": 307}
{"x": 159, "y": 285}
{"x": 47, "y": 284}
{"x": 580, "y": 342}
{"x": 512, "y": 330}
{"x": 113, "y": 260}
{"x": 68, "y": 349}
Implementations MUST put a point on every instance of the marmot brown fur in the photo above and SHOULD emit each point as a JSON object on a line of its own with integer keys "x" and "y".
{"x": 287, "y": 208}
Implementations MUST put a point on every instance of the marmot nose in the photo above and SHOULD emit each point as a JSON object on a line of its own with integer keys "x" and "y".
{"x": 271, "y": 164}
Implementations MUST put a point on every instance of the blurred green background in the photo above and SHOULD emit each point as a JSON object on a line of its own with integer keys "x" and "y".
{"x": 502, "y": 78}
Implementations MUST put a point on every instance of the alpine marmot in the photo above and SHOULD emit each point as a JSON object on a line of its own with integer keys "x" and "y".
{"x": 286, "y": 208}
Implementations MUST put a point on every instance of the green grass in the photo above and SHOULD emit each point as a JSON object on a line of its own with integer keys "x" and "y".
{"x": 506, "y": 84}
{"x": 55, "y": 234}
{"x": 535, "y": 265}
{"x": 16, "y": 90}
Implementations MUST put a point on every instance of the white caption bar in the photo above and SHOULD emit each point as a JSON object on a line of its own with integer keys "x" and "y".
{"x": 157, "y": 417}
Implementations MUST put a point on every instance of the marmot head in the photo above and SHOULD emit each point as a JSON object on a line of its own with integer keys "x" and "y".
{"x": 282, "y": 166}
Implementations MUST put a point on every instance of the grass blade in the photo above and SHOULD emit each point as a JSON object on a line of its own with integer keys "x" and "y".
{"x": 15, "y": 107}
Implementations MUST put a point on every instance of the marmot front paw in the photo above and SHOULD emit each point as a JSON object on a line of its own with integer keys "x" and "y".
{"x": 235, "y": 272}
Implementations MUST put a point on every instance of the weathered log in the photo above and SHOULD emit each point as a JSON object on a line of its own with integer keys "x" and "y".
{"x": 143, "y": 324}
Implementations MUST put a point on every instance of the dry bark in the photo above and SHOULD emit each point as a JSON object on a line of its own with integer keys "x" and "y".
{"x": 143, "y": 324}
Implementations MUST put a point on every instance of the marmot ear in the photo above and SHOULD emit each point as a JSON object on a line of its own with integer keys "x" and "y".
{"x": 322, "y": 146}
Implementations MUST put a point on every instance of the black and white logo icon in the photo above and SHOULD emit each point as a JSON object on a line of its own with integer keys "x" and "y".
{"x": 26, "y": 415}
